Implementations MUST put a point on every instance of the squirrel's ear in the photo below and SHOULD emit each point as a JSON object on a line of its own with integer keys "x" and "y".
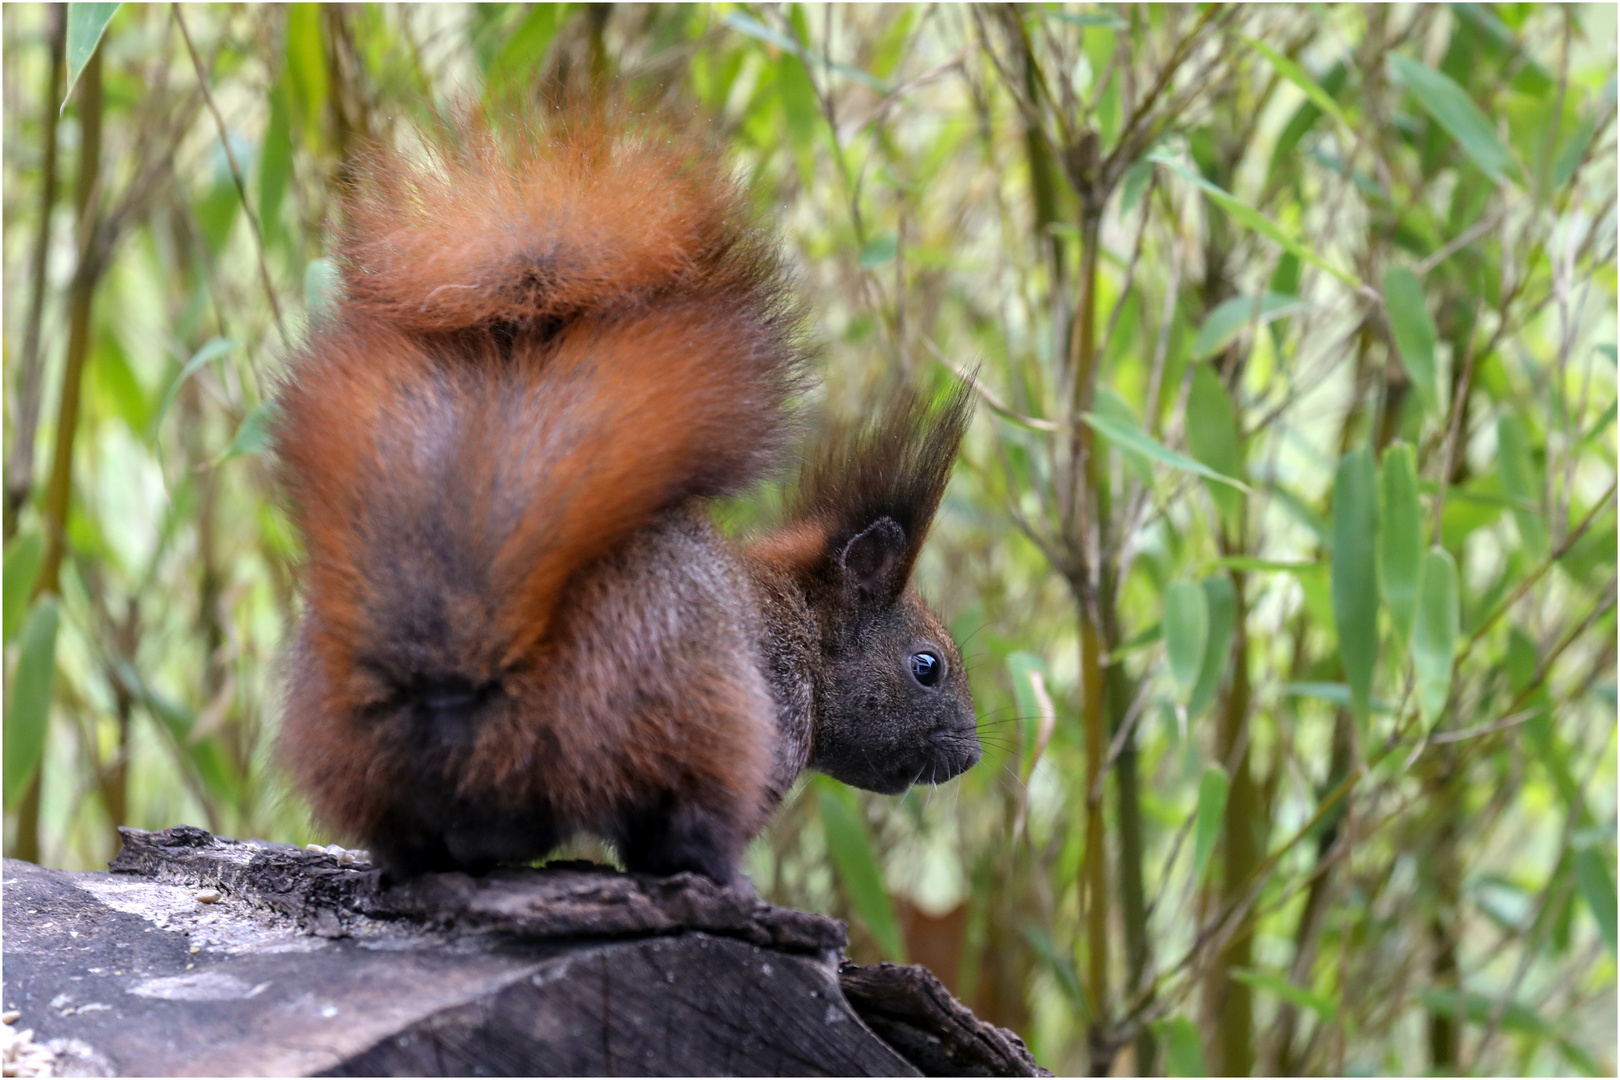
{"x": 872, "y": 559}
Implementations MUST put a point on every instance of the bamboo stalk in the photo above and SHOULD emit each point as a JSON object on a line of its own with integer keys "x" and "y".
{"x": 1234, "y": 1012}
{"x": 80, "y": 296}
{"x": 1094, "y": 710}
{"x": 19, "y": 469}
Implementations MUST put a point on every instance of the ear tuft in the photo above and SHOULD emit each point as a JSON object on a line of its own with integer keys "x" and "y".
{"x": 873, "y": 559}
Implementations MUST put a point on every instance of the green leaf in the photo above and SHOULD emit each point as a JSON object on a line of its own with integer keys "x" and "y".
{"x": 1515, "y": 466}
{"x": 1080, "y": 18}
{"x": 851, "y": 850}
{"x": 1139, "y": 640}
{"x": 323, "y": 287}
{"x": 1247, "y": 215}
{"x": 1061, "y": 967}
{"x": 1336, "y": 692}
{"x": 1271, "y": 982}
{"x": 1578, "y": 1056}
{"x": 275, "y": 163}
{"x": 28, "y": 706}
{"x": 1183, "y": 1051}
{"x": 212, "y": 349}
{"x": 760, "y": 32}
{"x": 1302, "y": 79}
{"x": 1212, "y": 437}
{"x": 1231, "y": 316}
{"x": 523, "y": 51}
{"x": 1136, "y": 182}
{"x": 1569, "y": 159}
{"x": 1478, "y": 1009}
{"x": 1021, "y": 666}
{"x": 1250, "y": 565}
{"x": 879, "y": 250}
{"x": 86, "y": 23}
{"x": 1594, "y": 876}
{"x": 1400, "y": 540}
{"x": 1434, "y": 639}
{"x": 306, "y": 68}
{"x": 1110, "y": 404}
{"x": 1452, "y": 109}
{"x": 1212, "y": 789}
{"x": 1303, "y": 120}
{"x": 1221, "y": 599}
{"x": 1186, "y": 632}
{"x": 23, "y": 557}
{"x": 1125, "y": 436}
{"x": 254, "y": 436}
{"x": 1355, "y": 574}
{"x": 1414, "y": 332}
{"x": 116, "y": 385}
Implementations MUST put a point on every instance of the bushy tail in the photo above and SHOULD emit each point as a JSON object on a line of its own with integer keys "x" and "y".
{"x": 549, "y": 334}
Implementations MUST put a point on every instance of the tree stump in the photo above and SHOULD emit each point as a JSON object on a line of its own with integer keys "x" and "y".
{"x": 202, "y": 955}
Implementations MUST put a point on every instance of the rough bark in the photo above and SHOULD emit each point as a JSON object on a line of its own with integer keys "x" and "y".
{"x": 200, "y": 955}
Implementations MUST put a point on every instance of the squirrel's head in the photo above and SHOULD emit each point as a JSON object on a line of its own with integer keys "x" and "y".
{"x": 892, "y": 705}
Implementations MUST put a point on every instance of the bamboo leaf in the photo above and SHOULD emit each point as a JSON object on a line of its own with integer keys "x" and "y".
{"x": 1434, "y": 639}
{"x": 1110, "y": 404}
{"x": 523, "y": 50}
{"x": 254, "y": 436}
{"x": 1569, "y": 159}
{"x": 1336, "y": 692}
{"x": 1250, "y": 565}
{"x": 212, "y": 349}
{"x": 28, "y": 706}
{"x": 1452, "y": 109}
{"x": 1221, "y": 599}
{"x": 1400, "y": 540}
{"x": 1126, "y": 436}
{"x": 1186, "y": 632}
{"x": 1355, "y": 574}
{"x": 1517, "y": 471}
{"x": 760, "y": 32}
{"x": 1212, "y": 437}
{"x": 1594, "y": 877}
{"x": 851, "y": 850}
{"x": 1080, "y": 18}
{"x": 1273, "y": 983}
{"x": 1061, "y": 967}
{"x": 1028, "y": 673}
{"x": 1478, "y": 1009}
{"x": 275, "y": 163}
{"x": 323, "y": 287}
{"x": 1414, "y": 332}
{"x": 306, "y": 68}
{"x": 1231, "y": 316}
{"x": 86, "y": 23}
{"x": 1302, "y": 79}
{"x": 1183, "y": 1050}
{"x": 23, "y": 557}
{"x": 1245, "y": 214}
{"x": 879, "y": 250}
{"x": 1212, "y": 789}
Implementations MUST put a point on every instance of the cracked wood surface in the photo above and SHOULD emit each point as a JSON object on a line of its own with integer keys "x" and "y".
{"x": 200, "y": 955}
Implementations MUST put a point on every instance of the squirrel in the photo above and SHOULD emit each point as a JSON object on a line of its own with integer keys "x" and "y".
{"x": 557, "y": 341}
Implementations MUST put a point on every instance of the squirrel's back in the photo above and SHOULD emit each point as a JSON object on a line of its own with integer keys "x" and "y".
{"x": 552, "y": 336}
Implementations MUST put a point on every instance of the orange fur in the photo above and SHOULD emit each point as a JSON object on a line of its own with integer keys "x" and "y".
{"x": 551, "y": 339}
{"x": 584, "y": 210}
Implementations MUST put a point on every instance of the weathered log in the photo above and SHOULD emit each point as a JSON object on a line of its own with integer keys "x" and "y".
{"x": 202, "y": 955}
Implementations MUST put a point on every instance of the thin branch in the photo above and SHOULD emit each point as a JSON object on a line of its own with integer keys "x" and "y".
{"x": 19, "y": 467}
{"x": 236, "y": 175}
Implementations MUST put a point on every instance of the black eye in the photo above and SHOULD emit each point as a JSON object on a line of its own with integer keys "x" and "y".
{"x": 926, "y": 668}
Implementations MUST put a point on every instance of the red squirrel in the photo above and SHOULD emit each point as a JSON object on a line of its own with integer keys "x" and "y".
{"x": 557, "y": 340}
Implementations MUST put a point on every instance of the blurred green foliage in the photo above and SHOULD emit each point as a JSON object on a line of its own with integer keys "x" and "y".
{"x": 1282, "y": 549}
